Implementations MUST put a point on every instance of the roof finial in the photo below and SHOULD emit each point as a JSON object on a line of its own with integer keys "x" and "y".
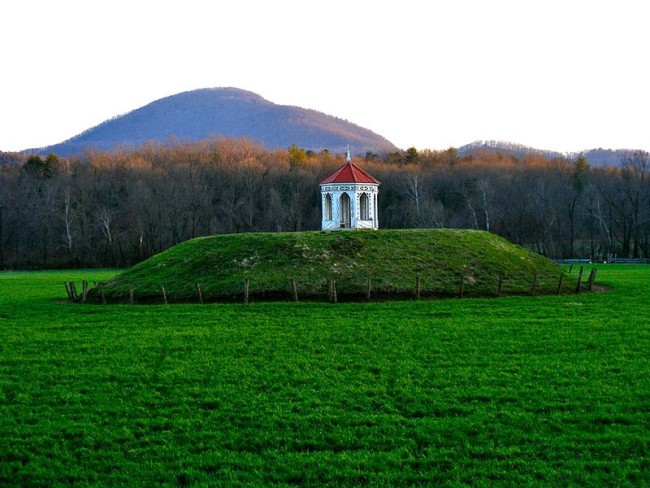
{"x": 348, "y": 158}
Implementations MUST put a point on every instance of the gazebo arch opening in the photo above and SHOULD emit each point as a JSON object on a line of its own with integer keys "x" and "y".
{"x": 364, "y": 207}
{"x": 345, "y": 211}
{"x": 328, "y": 207}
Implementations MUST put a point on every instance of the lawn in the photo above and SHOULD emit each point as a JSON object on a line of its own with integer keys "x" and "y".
{"x": 544, "y": 390}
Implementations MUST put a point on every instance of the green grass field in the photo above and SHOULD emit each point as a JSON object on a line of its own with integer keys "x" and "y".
{"x": 515, "y": 391}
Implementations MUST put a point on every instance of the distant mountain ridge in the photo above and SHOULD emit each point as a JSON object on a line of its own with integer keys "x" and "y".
{"x": 595, "y": 157}
{"x": 227, "y": 112}
{"x": 231, "y": 112}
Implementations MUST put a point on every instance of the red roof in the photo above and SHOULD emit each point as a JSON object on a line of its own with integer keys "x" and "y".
{"x": 349, "y": 173}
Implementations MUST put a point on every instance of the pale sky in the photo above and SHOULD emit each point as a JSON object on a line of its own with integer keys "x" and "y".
{"x": 563, "y": 75}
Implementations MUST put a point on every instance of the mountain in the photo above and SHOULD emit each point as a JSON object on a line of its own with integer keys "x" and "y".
{"x": 595, "y": 157}
{"x": 509, "y": 148}
{"x": 227, "y": 112}
{"x": 606, "y": 157}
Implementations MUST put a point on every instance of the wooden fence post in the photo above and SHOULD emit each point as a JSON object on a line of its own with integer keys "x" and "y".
{"x": 68, "y": 291}
{"x": 499, "y": 285}
{"x": 101, "y": 292}
{"x": 294, "y": 290}
{"x": 533, "y": 285}
{"x": 592, "y": 277}
{"x": 417, "y": 287}
{"x": 461, "y": 290}
{"x": 84, "y": 291}
{"x": 593, "y": 280}
{"x": 164, "y": 293}
{"x": 198, "y": 291}
{"x": 368, "y": 288}
{"x": 579, "y": 279}
{"x": 73, "y": 289}
{"x": 559, "y": 283}
{"x": 333, "y": 297}
{"x": 131, "y": 290}
{"x": 246, "y": 287}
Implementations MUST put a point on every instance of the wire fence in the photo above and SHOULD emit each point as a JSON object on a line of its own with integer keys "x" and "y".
{"x": 333, "y": 290}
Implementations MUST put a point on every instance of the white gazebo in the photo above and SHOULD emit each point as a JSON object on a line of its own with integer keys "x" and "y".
{"x": 349, "y": 199}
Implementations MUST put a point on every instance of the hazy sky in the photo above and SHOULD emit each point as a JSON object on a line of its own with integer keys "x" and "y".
{"x": 564, "y": 75}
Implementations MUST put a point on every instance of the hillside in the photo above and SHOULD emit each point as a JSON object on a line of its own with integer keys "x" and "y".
{"x": 595, "y": 157}
{"x": 228, "y": 112}
{"x": 11, "y": 158}
{"x": 391, "y": 258}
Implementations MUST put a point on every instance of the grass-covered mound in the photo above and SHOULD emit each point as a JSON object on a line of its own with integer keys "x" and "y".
{"x": 392, "y": 259}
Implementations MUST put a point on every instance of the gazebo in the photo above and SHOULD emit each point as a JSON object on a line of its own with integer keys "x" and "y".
{"x": 349, "y": 199}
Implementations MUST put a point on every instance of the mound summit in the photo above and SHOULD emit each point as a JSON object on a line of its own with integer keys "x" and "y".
{"x": 392, "y": 259}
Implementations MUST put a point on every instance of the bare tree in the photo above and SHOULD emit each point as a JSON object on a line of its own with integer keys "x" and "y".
{"x": 106, "y": 217}
{"x": 68, "y": 239}
{"x": 634, "y": 172}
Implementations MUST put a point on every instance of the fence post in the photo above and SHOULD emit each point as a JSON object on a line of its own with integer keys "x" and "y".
{"x": 559, "y": 283}
{"x": 68, "y": 290}
{"x": 294, "y": 290}
{"x": 164, "y": 293}
{"x": 333, "y": 297}
{"x": 101, "y": 292}
{"x": 73, "y": 290}
{"x": 131, "y": 290}
{"x": 246, "y": 286}
{"x": 84, "y": 291}
{"x": 579, "y": 279}
{"x": 417, "y": 287}
{"x": 499, "y": 285}
{"x": 592, "y": 277}
{"x": 198, "y": 291}
{"x": 368, "y": 288}
{"x": 461, "y": 291}
{"x": 533, "y": 285}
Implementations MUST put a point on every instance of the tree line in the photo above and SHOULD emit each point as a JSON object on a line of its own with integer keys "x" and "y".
{"x": 118, "y": 208}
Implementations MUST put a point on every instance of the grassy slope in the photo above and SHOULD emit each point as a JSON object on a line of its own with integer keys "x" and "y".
{"x": 393, "y": 258}
{"x": 544, "y": 391}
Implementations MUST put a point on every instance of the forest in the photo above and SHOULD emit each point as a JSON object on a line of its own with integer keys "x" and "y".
{"x": 106, "y": 209}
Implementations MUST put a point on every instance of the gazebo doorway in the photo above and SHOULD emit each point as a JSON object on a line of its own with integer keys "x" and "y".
{"x": 345, "y": 211}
